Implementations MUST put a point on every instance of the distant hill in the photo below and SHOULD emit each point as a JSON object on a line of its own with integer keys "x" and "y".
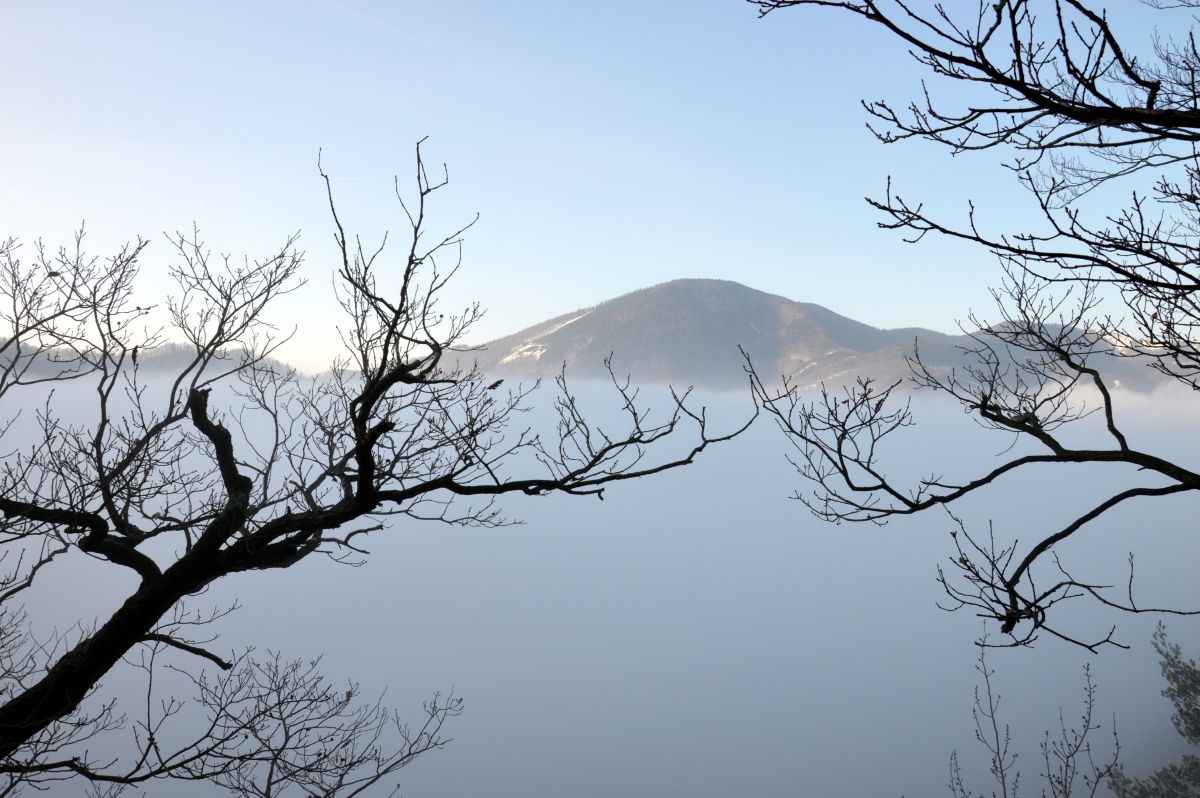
{"x": 687, "y": 332}
{"x": 167, "y": 358}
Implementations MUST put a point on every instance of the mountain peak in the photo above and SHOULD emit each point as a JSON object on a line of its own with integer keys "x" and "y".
{"x": 687, "y": 331}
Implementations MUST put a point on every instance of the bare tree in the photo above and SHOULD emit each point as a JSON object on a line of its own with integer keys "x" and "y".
{"x": 1069, "y": 764}
{"x": 175, "y": 492}
{"x": 1076, "y": 108}
{"x": 273, "y": 726}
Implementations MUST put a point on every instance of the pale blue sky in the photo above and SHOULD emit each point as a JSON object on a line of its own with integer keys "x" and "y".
{"x": 607, "y": 144}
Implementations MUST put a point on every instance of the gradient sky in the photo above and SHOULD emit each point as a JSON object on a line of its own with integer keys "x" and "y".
{"x": 606, "y": 145}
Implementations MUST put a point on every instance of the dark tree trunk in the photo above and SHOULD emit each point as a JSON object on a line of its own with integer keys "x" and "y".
{"x": 68, "y": 681}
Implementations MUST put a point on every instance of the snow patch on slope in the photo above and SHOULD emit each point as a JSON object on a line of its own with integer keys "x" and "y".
{"x": 523, "y": 351}
{"x": 531, "y": 348}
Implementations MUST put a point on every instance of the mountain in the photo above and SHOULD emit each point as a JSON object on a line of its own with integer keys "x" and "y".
{"x": 166, "y": 358}
{"x": 688, "y": 332}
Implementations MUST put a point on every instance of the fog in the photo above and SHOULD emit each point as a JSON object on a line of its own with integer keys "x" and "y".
{"x": 700, "y": 634}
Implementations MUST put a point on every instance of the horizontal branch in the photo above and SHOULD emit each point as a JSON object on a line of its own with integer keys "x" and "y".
{"x": 155, "y": 637}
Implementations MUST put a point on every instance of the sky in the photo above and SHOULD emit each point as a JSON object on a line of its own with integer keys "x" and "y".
{"x": 606, "y": 146}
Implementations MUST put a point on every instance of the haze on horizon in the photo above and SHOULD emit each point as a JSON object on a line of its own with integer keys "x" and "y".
{"x": 697, "y": 634}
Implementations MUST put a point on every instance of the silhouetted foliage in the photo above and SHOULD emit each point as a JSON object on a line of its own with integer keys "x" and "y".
{"x": 1182, "y": 779}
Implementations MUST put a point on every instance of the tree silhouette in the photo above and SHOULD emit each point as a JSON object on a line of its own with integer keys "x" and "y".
{"x": 240, "y": 465}
{"x": 1076, "y": 108}
{"x": 1181, "y": 779}
{"x": 1070, "y": 765}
